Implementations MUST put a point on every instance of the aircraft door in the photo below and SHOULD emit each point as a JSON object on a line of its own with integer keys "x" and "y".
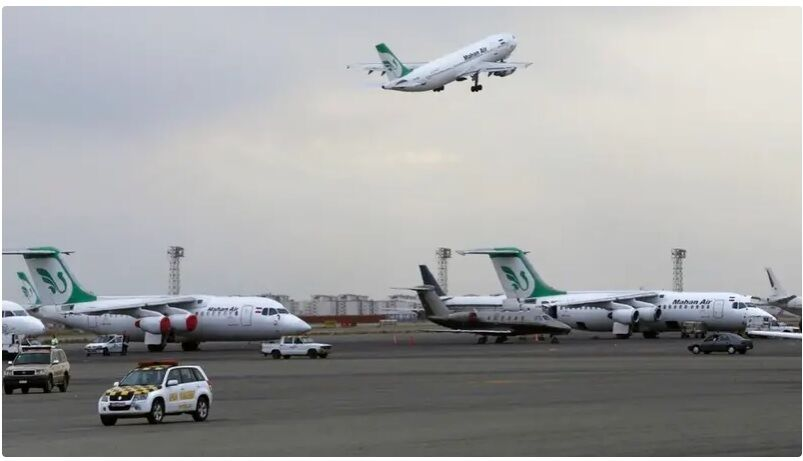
{"x": 93, "y": 321}
{"x": 719, "y": 309}
{"x": 233, "y": 316}
{"x": 245, "y": 317}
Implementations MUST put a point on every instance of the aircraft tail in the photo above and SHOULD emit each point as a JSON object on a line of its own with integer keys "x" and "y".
{"x": 433, "y": 305}
{"x": 28, "y": 290}
{"x": 517, "y": 276}
{"x": 428, "y": 279}
{"x": 51, "y": 278}
{"x": 393, "y": 66}
{"x": 777, "y": 289}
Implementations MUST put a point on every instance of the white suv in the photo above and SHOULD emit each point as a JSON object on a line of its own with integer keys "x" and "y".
{"x": 155, "y": 389}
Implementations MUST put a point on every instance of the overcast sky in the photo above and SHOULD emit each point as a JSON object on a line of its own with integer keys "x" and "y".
{"x": 239, "y": 134}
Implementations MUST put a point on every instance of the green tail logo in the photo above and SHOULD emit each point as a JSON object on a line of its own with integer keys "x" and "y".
{"x": 514, "y": 279}
{"x": 27, "y": 289}
{"x": 51, "y": 283}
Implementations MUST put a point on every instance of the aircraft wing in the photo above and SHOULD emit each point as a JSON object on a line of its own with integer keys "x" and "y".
{"x": 491, "y": 67}
{"x": 474, "y": 332}
{"x": 774, "y": 334}
{"x": 131, "y": 306}
{"x": 372, "y": 67}
{"x": 606, "y": 302}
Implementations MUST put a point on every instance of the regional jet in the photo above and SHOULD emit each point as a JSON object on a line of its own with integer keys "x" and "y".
{"x": 156, "y": 320}
{"x": 16, "y": 321}
{"x": 620, "y": 312}
{"x": 485, "y": 56}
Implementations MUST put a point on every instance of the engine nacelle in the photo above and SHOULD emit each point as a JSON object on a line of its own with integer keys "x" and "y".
{"x": 625, "y": 316}
{"x": 468, "y": 317}
{"x": 504, "y": 73}
{"x": 649, "y": 314}
{"x": 183, "y": 322}
{"x": 156, "y": 325}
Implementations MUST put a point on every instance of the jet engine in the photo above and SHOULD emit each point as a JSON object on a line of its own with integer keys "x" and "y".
{"x": 504, "y": 73}
{"x": 649, "y": 314}
{"x": 468, "y": 317}
{"x": 157, "y": 325}
{"x": 183, "y": 322}
{"x": 625, "y": 316}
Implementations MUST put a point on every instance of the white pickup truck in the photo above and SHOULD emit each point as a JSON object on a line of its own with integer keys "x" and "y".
{"x": 289, "y": 346}
{"x": 107, "y": 345}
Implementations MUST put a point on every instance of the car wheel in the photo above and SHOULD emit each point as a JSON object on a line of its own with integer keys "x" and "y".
{"x": 25, "y": 390}
{"x": 201, "y": 409}
{"x": 63, "y": 386}
{"x": 276, "y": 355}
{"x": 105, "y": 351}
{"x": 8, "y": 389}
{"x": 48, "y": 385}
{"x": 108, "y": 420}
{"x": 157, "y": 412}
{"x": 695, "y": 350}
{"x": 731, "y": 350}
{"x": 312, "y": 353}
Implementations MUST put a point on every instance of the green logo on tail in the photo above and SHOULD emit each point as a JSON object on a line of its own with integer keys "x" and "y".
{"x": 514, "y": 279}
{"x": 51, "y": 283}
{"x": 27, "y": 289}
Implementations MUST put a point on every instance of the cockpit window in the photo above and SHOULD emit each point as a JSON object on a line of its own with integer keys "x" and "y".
{"x": 401, "y": 81}
{"x": 283, "y": 311}
{"x": 20, "y": 313}
{"x": 271, "y": 311}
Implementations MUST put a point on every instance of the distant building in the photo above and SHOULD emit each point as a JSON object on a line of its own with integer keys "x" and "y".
{"x": 400, "y": 307}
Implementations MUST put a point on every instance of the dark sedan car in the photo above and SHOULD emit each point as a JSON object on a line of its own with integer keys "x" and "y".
{"x": 722, "y": 342}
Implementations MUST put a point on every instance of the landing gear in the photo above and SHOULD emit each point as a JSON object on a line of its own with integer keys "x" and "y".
{"x": 500, "y": 339}
{"x": 156, "y": 347}
{"x": 554, "y": 340}
{"x": 438, "y": 89}
{"x": 482, "y": 340}
{"x": 188, "y": 346}
{"x": 650, "y": 334}
{"x": 476, "y": 86}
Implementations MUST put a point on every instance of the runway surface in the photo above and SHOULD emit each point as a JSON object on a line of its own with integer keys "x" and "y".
{"x": 440, "y": 394}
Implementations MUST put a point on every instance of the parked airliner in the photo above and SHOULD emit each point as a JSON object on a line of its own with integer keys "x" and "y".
{"x": 16, "y": 321}
{"x": 620, "y": 312}
{"x": 485, "y": 56}
{"x": 155, "y": 320}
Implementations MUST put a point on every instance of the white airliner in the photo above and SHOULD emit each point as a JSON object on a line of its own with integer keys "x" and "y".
{"x": 18, "y": 325}
{"x": 16, "y": 321}
{"x": 157, "y": 320}
{"x": 485, "y": 56}
{"x": 621, "y": 312}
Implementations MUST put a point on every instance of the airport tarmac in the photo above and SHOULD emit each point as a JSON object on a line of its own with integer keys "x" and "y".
{"x": 440, "y": 394}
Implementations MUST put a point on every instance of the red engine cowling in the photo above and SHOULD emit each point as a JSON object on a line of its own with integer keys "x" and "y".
{"x": 156, "y": 325}
{"x": 184, "y": 322}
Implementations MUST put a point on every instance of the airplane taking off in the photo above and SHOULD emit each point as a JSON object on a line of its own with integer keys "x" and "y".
{"x": 779, "y": 298}
{"x": 155, "y": 320}
{"x": 620, "y": 312}
{"x": 488, "y": 322}
{"x": 487, "y": 55}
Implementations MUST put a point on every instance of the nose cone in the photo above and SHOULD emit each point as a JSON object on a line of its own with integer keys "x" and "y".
{"x": 298, "y": 326}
